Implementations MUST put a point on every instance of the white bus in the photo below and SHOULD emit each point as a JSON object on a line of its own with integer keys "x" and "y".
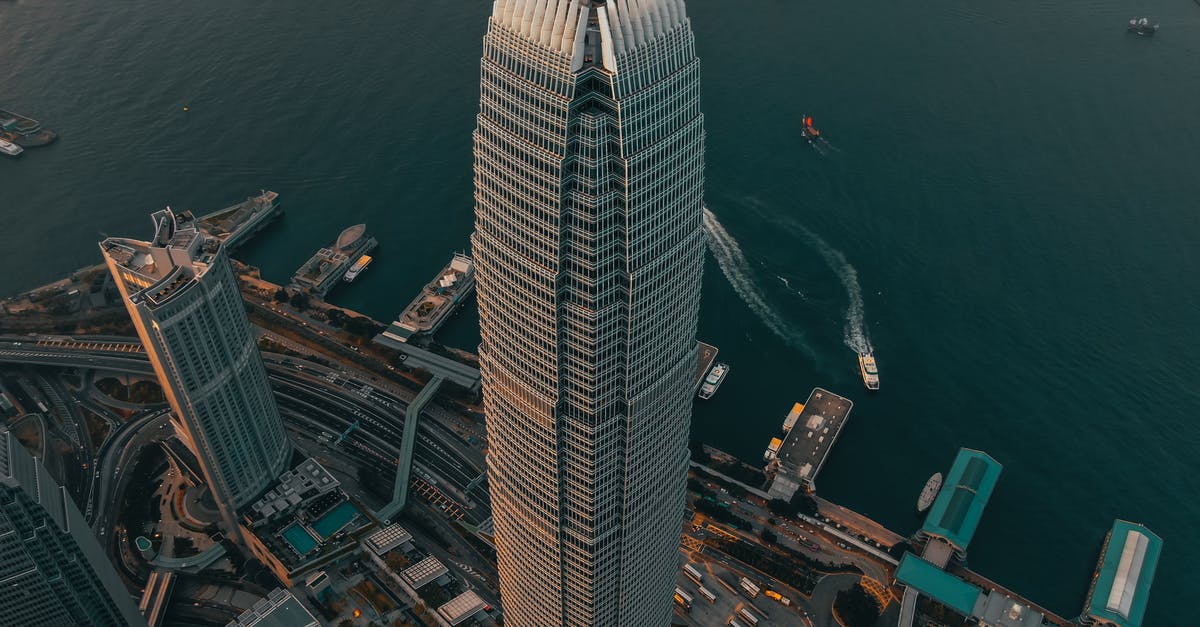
{"x": 748, "y": 616}
{"x": 682, "y": 598}
{"x": 708, "y": 594}
{"x": 692, "y": 573}
{"x": 750, "y": 587}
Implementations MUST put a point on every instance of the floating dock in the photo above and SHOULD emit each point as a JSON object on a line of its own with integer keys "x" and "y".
{"x": 24, "y": 131}
{"x": 326, "y": 268}
{"x": 437, "y": 300}
{"x": 235, "y": 224}
{"x": 806, "y": 446}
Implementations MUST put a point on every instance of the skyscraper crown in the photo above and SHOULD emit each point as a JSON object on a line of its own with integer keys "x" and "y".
{"x": 560, "y": 25}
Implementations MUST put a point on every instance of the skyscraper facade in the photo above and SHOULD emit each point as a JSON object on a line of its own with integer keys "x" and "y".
{"x": 589, "y": 245}
{"x": 52, "y": 569}
{"x": 184, "y": 299}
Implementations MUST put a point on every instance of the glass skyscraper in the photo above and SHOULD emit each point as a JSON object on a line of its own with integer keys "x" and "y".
{"x": 588, "y": 239}
{"x": 184, "y": 299}
{"x": 52, "y": 569}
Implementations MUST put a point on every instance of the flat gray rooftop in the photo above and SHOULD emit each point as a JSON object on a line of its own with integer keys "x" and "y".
{"x": 807, "y": 445}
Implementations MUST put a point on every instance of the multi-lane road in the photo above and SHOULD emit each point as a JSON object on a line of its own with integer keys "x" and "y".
{"x": 322, "y": 402}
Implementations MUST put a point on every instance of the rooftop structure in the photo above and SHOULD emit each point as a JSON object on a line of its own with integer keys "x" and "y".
{"x": 1000, "y": 610}
{"x": 185, "y": 302}
{"x": 462, "y": 607}
{"x": 304, "y": 522}
{"x": 1121, "y": 586}
{"x": 938, "y": 584}
{"x": 279, "y": 609}
{"x": 308, "y": 480}
{"x": 391, "y": 537}
{"x": 806, "y": 446}
{"x": 955, "y": 514}
{"x": 425, "y": 572}
{"x": 52, "y": 569}
{"x": 325, "y": 268}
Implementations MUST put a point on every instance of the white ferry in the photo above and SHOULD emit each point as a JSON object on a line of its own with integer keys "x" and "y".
{"x": 357, "y": 268}
{"x": 10, "y": 148}
{"x": 870, "y": 373}
{"x": 713, "y": 380}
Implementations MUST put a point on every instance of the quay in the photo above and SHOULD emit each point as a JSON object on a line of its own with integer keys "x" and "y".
{"x": 24, "y": 131}
{"x": 326, "y": 268}
{"x": 807, "y": 443}
{"x": 433, "y": 306}
{"x": 235, "y": 224}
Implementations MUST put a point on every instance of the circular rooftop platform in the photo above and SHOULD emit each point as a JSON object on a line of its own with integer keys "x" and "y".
{"x": 351, "y": 236}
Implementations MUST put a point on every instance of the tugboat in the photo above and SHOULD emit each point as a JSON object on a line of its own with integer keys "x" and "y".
{"x": 1142, "y": 26}
{"x": 930, "y": 492}
{"x": 807, "y": 129}
{"x": 713, "y": 380}
{"x": 870, "y": 373}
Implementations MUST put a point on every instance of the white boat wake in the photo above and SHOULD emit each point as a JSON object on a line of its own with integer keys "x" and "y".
{"x": 854, "y": 334}
{"x": 736, "y": 269}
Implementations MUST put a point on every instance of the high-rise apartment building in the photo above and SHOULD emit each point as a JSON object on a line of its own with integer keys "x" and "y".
{"x": 52, "y": 569}
{"x": 589, "y": 245}
{"x": 184, "y": 299}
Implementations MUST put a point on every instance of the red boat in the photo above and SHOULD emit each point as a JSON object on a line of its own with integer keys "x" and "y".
{"x": 807, "y": 129}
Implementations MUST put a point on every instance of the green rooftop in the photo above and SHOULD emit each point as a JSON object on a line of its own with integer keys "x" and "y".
{"x": 965, "y": 493}
{"x": 937, "y": 584}
{"x": 1123, "y": 577}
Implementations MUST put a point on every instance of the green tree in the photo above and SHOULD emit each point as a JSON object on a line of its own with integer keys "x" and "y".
{"x": 856, "y": 607}
{"x": 300, "y": 301}
{"x": 281, "y": 295}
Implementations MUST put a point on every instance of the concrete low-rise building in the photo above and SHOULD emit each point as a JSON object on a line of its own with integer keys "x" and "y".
{"x": 280, "y": 609}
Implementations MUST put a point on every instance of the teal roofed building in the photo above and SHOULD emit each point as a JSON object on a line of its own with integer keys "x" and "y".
{"x": 955, "y": 514}
{"x": 938, "y": 584}
{"x": 1121, "y": 587}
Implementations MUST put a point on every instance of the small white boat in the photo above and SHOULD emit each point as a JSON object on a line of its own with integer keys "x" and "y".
{"x": 713, "y": 380}
{"x": 10, "y": 148}
{"x": 930, "y": 492}
{"x": 870, "y": 372}
{"x": 358, "y": 267}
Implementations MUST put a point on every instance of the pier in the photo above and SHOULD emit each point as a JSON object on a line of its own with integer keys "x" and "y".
{"x": 437, "y": 300}
{"x": 24, "y": 131}
{"x": 235, "y": 224}
{"x": 323, "y": 270}
{"x": 807, "y": 444}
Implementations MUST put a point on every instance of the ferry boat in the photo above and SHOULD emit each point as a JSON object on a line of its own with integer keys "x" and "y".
{"x": 807, "y": 129}
{"x": 930, "y": 492}
{"x": 10, "y": 148}
{"x": 357, "y": 268}
{"x": 1142, "y": 26}
{"x": 772, "y": 449}
{"x": 713, "y": 380}
{"x": 870, "y": 373}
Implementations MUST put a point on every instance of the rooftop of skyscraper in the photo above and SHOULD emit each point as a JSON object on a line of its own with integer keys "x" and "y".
{"x": 178, "y": 254}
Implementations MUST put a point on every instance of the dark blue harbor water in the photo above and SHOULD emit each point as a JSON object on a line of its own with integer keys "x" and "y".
{"x": 1005, "y": 209}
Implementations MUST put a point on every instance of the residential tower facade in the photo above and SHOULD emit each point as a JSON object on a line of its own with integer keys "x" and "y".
{"x": 589, "y": 245}
{"x": 184, "y": 299}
